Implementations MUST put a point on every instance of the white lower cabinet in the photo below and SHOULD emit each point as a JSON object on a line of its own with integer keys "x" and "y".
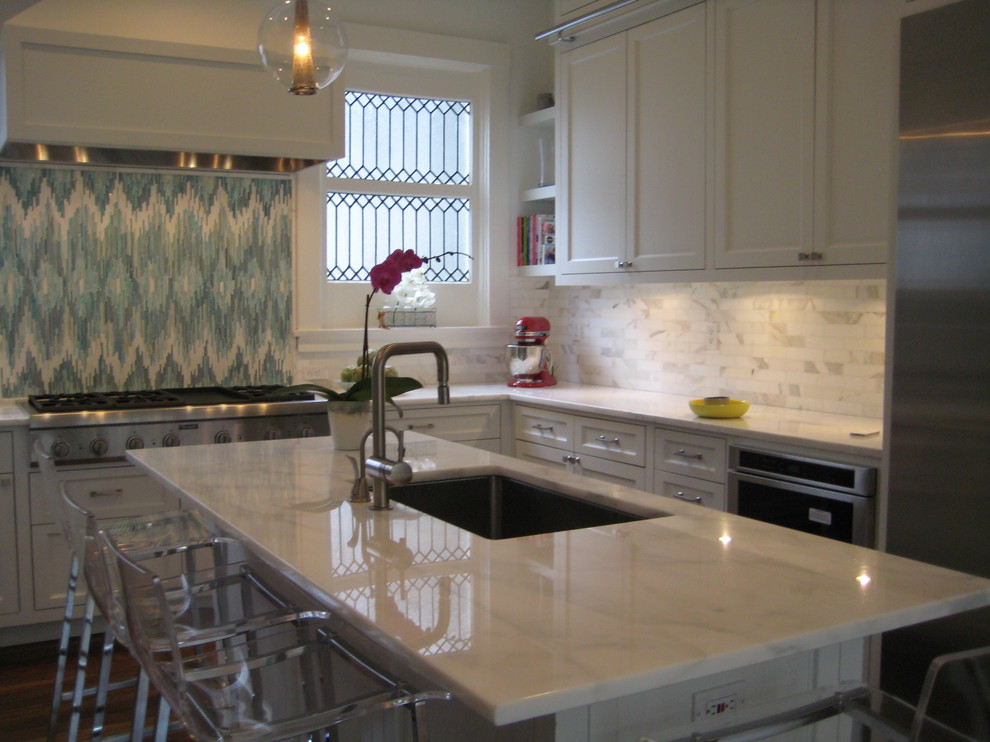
{"x": 9, "y": 602}
{"x": 690, "y": 467}
{"x": 479, "y": 426}
{"x": 124, "y": 492}
{"x": 606, "y": 450}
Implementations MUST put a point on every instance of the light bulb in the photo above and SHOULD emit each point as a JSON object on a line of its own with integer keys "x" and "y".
{"x": 303, "y": 46}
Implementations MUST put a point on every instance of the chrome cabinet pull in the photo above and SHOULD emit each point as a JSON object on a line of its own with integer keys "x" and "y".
{"x": 537, "y": 426}
{"x": 682, "y": 496}
{"x": 427, "y": 426}
{"x": 572, "y": 459}
{"x": 609, "y": 441}
{"x": 111, "y": 493}
{"x": 685, "y": 455}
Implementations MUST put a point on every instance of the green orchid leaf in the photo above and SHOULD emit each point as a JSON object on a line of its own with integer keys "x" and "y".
{"x": 360, "y": 391}
{"x": 320, "y": 391}
{"x": 394, "y": 386}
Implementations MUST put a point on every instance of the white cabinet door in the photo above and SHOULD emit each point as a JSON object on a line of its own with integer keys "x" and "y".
{"x": 591, "y": 216}
{"x": 856, "y": 91}
{"x": 764, "y": 131}
{"x": 667, "y": 142}
{"x": 9, "y": 601}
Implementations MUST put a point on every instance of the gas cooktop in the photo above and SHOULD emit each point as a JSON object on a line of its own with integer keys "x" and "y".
{"x": 157, "y": 398}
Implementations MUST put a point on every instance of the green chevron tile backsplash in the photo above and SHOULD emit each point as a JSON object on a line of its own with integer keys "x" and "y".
{"x": 132, "y": 280}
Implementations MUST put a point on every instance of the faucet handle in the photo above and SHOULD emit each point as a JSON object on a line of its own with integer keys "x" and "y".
{"x": 393, "y": 472}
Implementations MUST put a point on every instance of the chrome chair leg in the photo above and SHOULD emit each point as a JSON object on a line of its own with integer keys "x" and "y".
{"x": 63, "y": 648}
{"x": 81, "y": 667}
{"x": 140, "y": 708}
{"x": 103, "y": 685}
{"x": 164, "y": 714}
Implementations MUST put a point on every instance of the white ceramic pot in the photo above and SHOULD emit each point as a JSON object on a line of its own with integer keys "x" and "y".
{"x": 349, "y": 421}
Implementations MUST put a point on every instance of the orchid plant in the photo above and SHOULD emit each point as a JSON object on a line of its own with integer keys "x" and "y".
{"x": 384, "y": 277}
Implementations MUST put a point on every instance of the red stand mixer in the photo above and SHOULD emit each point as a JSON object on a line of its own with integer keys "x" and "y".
{"x": 529, "y": 358}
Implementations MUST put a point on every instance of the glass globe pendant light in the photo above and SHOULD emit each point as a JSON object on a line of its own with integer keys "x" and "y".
{"x": 302, "y": 45}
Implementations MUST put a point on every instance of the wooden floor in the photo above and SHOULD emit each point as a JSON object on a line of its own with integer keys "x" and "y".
{"x": 27, "y": 676}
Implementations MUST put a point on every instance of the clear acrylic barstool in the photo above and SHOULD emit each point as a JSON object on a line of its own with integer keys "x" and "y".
{"x": 961, "y": 680}
{"x": 271, "y": 683}
{"x": 152, "y": 530}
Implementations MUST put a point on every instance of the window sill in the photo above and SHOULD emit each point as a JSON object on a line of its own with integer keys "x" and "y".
{"x": 333, "y": 341}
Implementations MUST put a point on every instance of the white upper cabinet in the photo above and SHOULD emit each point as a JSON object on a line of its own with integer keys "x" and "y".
{"x": 126, "y": 86}
{"x": 757, "y": 141}
{"x": 804, "y": 131}
{"x": 856, "y": 120}
{"x": 591, "y": 216}
{"x": 633, "y": 143}
{"x": 764, "y": 131}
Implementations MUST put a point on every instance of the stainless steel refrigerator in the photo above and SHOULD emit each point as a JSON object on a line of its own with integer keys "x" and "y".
{"x": 939, "y": 385}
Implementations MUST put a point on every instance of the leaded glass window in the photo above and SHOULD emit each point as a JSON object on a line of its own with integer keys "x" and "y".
{"x": 398, "y": 144}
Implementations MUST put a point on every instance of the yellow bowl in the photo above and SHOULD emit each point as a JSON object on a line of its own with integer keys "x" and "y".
{"x": 734, "y": 408}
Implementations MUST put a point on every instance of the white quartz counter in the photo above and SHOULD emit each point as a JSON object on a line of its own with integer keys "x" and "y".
{"x": 822, "y": 430}
{"x": 524, "y": 627}
{"x": 14, "y": 412}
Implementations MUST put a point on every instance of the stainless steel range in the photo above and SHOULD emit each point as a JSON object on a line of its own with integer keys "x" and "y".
{"x": 98, "y": 428}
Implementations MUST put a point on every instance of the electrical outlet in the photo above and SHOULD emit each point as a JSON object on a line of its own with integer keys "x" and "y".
{"x": 725, "y": 699}
{"x": 711, "y": 336}
{"x": 308, "y": 370}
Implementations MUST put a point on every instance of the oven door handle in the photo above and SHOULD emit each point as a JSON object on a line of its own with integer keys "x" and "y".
{"x": 112, "y": 493}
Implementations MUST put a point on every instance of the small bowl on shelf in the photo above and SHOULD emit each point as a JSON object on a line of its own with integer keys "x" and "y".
{"x": 723, "y": 407}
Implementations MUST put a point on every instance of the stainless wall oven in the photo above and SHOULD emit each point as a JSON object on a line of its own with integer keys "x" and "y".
{"x": 826, "y": 498}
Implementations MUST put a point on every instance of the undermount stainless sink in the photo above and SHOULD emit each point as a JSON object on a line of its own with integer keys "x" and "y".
{"x": 499, "y": 507}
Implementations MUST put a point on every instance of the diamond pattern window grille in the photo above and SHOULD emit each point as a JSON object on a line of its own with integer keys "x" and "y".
{"x": 405, "y": 140}
{"x": 395, "y": 139}
{"x": 363, "y": 228}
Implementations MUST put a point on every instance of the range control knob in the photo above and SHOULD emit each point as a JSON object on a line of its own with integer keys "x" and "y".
{"x": 60, "y": 449}
{"x": 171, "y": 440}
{"x": 98, "y": 447}
{"x": 273, "y": 435}
{"x": 305, "y": 431}
{"x": 222, "y": 437}
{"x": 134, "y": 443}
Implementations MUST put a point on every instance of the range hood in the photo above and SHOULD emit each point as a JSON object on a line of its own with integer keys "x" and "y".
{"x": 155, "y": 84}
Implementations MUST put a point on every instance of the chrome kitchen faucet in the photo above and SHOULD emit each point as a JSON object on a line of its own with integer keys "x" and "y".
{"x": 382, "y": 471}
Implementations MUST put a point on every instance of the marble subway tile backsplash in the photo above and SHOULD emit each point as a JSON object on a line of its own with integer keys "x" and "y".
{"x": 810, "y": 345}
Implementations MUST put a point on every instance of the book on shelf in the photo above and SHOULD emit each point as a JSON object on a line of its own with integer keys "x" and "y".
{"x": 536, "y": 240}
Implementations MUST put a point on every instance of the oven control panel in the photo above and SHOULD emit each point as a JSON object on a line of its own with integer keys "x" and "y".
{"x": 94, "y": 443}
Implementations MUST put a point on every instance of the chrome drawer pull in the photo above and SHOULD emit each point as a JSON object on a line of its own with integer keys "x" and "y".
{"x": 572, "y": 459}
{"x": 428, "y": 426}
{"x": 537, "y": 426}
{"x": 682, "y": 496}
{"x": 685, "y": 455}
{"x": 610, "y": 441}
{"x": 112, "y": 493}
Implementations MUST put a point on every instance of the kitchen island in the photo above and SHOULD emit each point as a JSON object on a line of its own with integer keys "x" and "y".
{"x": 562, "y": 635}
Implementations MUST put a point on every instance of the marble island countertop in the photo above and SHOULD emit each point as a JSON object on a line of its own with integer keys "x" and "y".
{"x": 521, "y": 628}
{"x": 775, "y": 424}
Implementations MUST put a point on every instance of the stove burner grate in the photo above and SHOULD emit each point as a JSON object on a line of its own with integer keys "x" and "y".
{"x": 154, "y": 398}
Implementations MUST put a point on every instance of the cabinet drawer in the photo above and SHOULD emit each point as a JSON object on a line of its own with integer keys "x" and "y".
{"x": 476, "y": 422}
{"x": 6, "y": 452}
{"x": 544, "y": 426}
{"x": 124, "y": 492}
{"x": 691, "y": 455}
{"x": 690, "y": 489}
{"x": 610, "y": 440}
{"x": 593, "y": 467}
